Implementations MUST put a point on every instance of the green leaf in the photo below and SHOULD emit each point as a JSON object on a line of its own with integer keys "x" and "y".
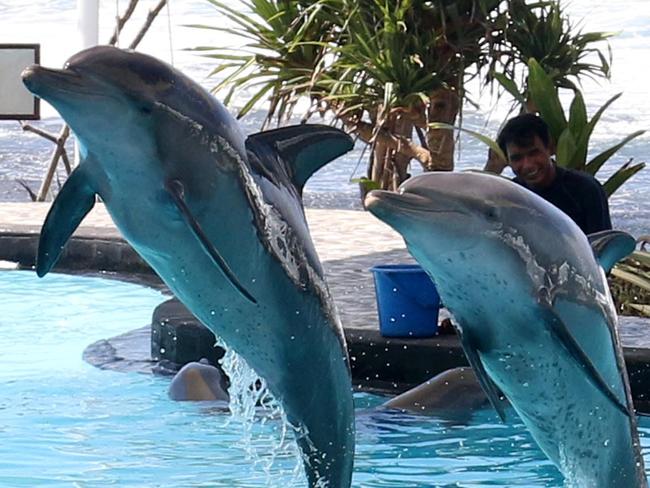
{"x": 623, "y": 174}
{"x": 594, "y": 120}
{"x": 578, "y": 125}
{"x": 642, "y": 256}
{"x": 510, "y": 86}
{"x": 566, "y": 148}
{"x": 545, "y": 96}
{"x": 491, "y": 143}
{"x": 642, "y": 308}
{"x": 366, "y": 183}
{"x": 631, "y": 278}
{"x": 233, "y": 76}
{"x": 254, "y": 99}
{"x": 596, "y": 163}
{"x": 577, "y": 114}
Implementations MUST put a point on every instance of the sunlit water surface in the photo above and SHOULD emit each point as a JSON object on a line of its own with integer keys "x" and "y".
{"x": 66, "y": 423}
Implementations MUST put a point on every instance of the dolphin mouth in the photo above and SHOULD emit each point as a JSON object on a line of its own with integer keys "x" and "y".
{"x": 45, "y": 82}
{"x": 379, "y": 200}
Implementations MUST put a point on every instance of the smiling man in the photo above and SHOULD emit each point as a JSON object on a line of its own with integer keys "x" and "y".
{"x": 526, "y": 141}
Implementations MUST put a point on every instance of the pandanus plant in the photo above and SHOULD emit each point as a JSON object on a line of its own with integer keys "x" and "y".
{"x": 388, "y": 69}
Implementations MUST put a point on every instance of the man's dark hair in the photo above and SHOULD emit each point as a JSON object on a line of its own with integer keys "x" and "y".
{"x": 521, "y": 130}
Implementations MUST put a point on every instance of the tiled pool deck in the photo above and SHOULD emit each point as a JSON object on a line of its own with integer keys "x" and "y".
{"x": 349, "y": 243}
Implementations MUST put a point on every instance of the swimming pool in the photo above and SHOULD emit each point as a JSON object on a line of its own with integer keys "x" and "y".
{"x": 66, "y": 423}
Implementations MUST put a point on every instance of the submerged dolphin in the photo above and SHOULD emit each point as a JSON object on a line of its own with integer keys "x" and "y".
{"x": 533, "y": 311}
{"x": 219, "y": 217}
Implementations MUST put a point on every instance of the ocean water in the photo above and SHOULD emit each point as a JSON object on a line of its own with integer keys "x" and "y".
{"x": 53, "y": 25}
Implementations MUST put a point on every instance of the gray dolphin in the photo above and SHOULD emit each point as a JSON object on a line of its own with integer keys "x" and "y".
{"x": 219, "y": 217}
{"x": 455, "y": 393}
{"x": 533, "y": 311}
{"x": 199, "y": 381}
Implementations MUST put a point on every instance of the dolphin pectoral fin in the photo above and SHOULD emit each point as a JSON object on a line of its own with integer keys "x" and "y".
{"x": 491, "y": 390}
{"x": 70, "y": 206}
{"x": 305, "y": 148}
{"x": 176, "y": 192}
{"x": 610, "y": 246}
{"x": 561, "y": 333}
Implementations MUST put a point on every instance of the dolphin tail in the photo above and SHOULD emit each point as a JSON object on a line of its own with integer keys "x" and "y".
{"x": 325, "y": 428}
{"x": 176, "y": 192}
{"x": 69, "y": 208}
{"x": 561, "y": 333}
{"x": 491, "y": 390}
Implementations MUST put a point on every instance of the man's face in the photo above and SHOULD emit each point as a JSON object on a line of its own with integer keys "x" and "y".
{"x": 532, "y": 163}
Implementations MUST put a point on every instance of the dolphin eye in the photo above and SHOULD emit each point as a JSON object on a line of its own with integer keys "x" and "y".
{"x": 145, "y": 110}
{"x": 492, "y": 213}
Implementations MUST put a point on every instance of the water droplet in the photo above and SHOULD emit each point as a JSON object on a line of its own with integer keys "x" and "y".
{"x": 162, "y": 350}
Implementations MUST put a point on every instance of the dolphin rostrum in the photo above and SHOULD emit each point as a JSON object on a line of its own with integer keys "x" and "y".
{"x": 219, "y": 217}
{"x": 533, "y": 311}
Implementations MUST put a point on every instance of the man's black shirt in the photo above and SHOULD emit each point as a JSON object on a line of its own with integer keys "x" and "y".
{"x": 580, "y": 196}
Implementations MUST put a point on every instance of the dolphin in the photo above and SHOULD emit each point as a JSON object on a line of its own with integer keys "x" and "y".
{"x": 533, "y": 311}
{"x": 219, "y": 217}
{"x": 199, "y": 381}
{"x": 454, "y": 393}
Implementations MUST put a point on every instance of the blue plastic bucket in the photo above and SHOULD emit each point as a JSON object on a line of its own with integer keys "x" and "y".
{"x": 407, "y": 301}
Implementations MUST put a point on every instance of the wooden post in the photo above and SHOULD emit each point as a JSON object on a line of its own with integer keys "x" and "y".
{"x": 59, "y": 150}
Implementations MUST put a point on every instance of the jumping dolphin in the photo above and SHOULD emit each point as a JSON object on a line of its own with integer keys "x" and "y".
{"x": 534, "y": 313}
{"x": 219, "y": 217}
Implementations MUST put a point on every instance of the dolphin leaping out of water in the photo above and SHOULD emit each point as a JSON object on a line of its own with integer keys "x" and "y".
{"x": 534, "y": 313}
{"x": 219, "y": 217}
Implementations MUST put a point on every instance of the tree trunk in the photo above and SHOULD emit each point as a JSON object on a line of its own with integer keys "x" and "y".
{"x": 494, "y": 163}
{"x": 444, "y": 106}
{"x": 401, "y": 161}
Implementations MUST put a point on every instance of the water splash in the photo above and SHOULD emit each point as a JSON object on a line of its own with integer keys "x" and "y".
{"x": 251, "y": 402}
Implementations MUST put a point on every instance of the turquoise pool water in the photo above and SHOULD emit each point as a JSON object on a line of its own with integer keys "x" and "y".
{"x": 64, "y": 423}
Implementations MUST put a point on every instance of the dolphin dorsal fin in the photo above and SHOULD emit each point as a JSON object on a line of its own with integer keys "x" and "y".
{"x": 610, "y": 246}
{"x": 305, "y": 148}
{"x": 70, "y": 206}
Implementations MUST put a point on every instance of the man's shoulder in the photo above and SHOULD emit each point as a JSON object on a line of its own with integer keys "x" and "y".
{"x": 583, "y": 186}
{"x": 576, "y": 177}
